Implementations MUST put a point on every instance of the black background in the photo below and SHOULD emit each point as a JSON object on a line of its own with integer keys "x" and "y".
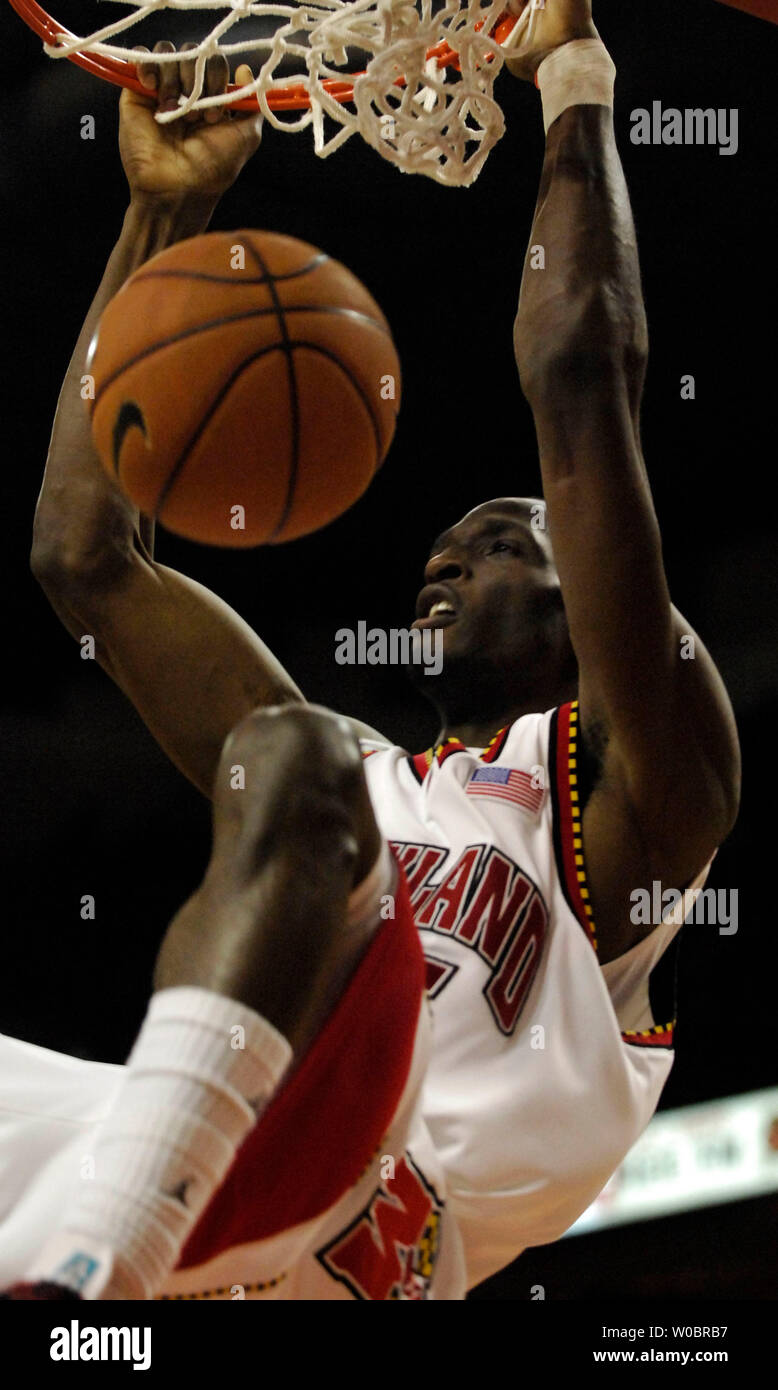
{"x": 91, "y": 805}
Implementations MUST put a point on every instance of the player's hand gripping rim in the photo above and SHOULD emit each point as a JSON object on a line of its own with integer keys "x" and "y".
{"x": 198, "y": 156}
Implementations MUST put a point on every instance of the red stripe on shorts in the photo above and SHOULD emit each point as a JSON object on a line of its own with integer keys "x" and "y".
{"x": 323, "y": 1128}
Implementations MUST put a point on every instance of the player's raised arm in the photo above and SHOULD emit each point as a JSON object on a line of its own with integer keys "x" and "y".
{"x": 190, "y": 665}
{"x": 663, "y": 724}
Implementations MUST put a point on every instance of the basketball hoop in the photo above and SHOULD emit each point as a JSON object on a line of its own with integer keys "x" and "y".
{"x": 424, "y": 101}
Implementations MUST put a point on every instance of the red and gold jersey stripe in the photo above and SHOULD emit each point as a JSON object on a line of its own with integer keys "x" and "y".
{"x": 659, "y": 1036}
{"x": 568, "y": 831}
{"x": 422, "y": 762}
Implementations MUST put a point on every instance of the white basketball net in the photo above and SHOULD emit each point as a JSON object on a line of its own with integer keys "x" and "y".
{"x": 441, "y": 122}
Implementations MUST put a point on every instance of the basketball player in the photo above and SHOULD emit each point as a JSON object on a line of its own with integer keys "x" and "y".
{"x": 580, "y": 758}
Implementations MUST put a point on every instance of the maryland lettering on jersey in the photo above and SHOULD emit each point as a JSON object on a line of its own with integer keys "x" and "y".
{"x": 486, "y": 902}
{"x": 389, "y": 1251}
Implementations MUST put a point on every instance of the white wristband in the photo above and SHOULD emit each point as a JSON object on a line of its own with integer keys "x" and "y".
{"x": 579, "y": 73}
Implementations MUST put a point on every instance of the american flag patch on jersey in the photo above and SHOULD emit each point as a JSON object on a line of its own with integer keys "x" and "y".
{"x": 506, "y": 784}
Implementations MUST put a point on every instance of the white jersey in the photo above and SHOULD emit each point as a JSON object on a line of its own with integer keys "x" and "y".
{"x": 545, "y": 1067}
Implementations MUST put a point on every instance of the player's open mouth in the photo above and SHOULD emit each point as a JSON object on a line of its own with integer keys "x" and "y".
{"x": 440, "y": 612}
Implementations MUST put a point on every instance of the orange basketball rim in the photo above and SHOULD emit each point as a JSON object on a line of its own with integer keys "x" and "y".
{"x": 291, "y": 98}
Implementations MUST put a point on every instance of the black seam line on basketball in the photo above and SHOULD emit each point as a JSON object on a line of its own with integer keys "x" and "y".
{"x": 214, "y": 406}
{"x": 333, "y": 357}
{"x": 294, "y": 400}
{"x": 226, "y": 388}
{"x": 229, "y": 279}
{"x": 355, "y": 314}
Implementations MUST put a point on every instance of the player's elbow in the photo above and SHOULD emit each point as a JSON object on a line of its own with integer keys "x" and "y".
{"x": 595, "y": 349}
{"x": 78, "y": 556}
{"x": 75, "y": 567}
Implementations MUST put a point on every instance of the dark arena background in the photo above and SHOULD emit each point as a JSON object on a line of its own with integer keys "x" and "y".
{"x": 91, "y": 806}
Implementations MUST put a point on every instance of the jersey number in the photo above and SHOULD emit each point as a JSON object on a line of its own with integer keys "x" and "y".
{"x": 389, "y": 1251}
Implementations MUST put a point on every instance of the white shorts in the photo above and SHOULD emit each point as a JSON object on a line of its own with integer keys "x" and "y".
{"x": 337, "y": 1194}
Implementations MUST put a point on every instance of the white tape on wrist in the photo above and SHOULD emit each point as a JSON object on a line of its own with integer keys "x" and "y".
{"x": 579, "y": 73}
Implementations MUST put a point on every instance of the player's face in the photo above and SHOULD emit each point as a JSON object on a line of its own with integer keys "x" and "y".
{"x": 493, "y": 590}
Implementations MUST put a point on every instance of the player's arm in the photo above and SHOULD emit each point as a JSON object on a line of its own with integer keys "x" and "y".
{"x": 189, "y": 664}
{"x": 663, "y": 725}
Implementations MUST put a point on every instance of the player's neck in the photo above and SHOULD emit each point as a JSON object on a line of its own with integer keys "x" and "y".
{"x": 477, "y": 733}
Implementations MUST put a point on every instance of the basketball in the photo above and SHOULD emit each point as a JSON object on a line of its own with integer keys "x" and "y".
{"x": 245, "y": 388}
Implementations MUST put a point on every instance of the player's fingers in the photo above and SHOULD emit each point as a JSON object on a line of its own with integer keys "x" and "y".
{"x": 147, "y": 73}
{"x": 186, "y": 70}
{"x": 217, "y": 76}
{"x": 169, "y": 85}
{"x": 243, "y": 75}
